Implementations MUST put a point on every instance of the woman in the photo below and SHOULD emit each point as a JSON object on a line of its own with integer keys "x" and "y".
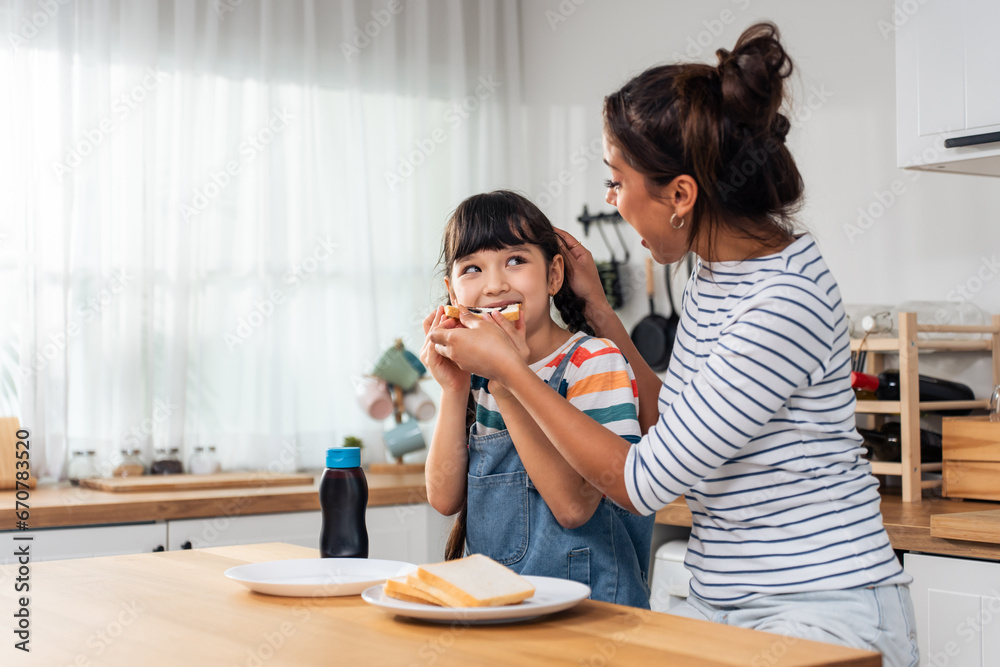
{"x": 754, "y": 423}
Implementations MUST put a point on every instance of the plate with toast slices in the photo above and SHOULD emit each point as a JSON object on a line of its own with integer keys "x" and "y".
{"x": 317, "y": 577}
{"x": 474, "y": 589}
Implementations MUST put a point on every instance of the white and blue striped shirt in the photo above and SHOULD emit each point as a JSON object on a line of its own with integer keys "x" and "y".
{"x": 757, "y": 429}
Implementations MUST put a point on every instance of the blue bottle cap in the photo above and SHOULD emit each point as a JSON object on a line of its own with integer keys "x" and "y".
{"x": 343, "y": 457}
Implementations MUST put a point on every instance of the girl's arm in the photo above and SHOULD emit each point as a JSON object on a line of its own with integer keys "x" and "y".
{"x": 569, "y": 496}
{"x": 447, "y": 463}
{"x": 586, "y": 282}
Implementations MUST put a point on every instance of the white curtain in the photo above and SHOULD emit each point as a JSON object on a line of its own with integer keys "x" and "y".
{"x": 220, "y": 212}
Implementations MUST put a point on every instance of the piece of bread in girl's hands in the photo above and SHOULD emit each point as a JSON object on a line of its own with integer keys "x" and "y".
{"x": 473, "y": 581}
{"x": 511, "y": 311}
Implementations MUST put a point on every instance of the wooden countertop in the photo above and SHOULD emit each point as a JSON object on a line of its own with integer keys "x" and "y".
{"x": 934, "y": 525}
{"x": 178, "y": 608}
{"x": 65, "y": 505}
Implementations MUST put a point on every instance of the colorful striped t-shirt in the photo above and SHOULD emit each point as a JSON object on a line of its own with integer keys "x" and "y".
{"x": 599, "y": 382}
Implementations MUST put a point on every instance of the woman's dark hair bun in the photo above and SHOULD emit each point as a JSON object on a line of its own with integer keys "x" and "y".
{"x": 751, "y": 78}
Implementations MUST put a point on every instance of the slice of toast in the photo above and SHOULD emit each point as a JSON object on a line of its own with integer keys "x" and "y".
{"x": 473, "y": 581}
{"x": 398, "y": 588}
{"x": 510, "y": 312}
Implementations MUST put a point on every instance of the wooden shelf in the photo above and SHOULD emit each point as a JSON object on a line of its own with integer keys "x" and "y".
{"x": 895, "y": 407}
{"x": 907, "y": 345}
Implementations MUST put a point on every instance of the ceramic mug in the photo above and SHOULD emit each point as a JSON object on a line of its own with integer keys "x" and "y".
{"x": 373, "y": 397}
{"x": 404, "y": 439}
{"x": 995, "y": 404}
{"x": 418, "y": 404}
{"x": 394, "y": 368}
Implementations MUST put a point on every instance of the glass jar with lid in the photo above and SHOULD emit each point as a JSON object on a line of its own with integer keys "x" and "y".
{"x": 81, "y": 466}
{"x": 129, "y": 464}
{"x": 166, "y": 464}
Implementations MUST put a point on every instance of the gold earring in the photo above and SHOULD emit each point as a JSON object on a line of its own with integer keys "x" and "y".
{"x": 672, "y": 221}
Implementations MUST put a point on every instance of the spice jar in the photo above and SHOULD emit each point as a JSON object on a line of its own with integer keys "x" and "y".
{"x": 81, "y": 466}
{"x": 130, "y": 464}
{"x": 199, "y": 463}
{"x": 166, "y": 464}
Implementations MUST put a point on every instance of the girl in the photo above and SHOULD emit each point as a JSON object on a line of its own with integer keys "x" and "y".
{"x": 520, "y": 502}
{"x": 755, "y": 421}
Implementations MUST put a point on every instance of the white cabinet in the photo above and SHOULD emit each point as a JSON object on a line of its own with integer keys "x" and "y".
{"x": 957, "y": 606}
{"x": 63, "y": 543}
{"x": 411, "y": 533}
{"x": 948, "y": 85}
{"x": 300, "y": 528}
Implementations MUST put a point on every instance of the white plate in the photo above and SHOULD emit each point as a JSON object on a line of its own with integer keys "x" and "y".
{"x": 317, "y": 577}
{"x": 551, "y": 595}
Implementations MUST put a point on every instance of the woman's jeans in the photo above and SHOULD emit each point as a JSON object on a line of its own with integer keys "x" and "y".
{"x": 876, "y": 618}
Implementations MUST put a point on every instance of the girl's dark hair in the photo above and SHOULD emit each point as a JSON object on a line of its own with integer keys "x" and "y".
{"x": 501, "y": 219}
{"x": 494, "y": 221}
{"x": 722, "y": 126}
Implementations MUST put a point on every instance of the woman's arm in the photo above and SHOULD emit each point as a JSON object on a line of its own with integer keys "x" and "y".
{"x": 571, "y": 498}
{"x": 586, "y": 282}
{"x": 447, "y": 465}
{"x": 596, "y": 453}
{"x": 781, "y": 342}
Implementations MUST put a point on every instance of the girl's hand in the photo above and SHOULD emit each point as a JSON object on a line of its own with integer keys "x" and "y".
{"x": 517, "y": 334}
{"x": 584, "y": 280}
{"x": 445, "y": 371}
{"x": 481, "y": 346}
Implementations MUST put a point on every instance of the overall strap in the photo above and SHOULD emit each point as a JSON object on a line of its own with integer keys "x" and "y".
{"x": 557, "y": 377}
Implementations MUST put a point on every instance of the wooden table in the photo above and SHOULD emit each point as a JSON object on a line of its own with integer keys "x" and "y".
{"x": 177, "y": 608}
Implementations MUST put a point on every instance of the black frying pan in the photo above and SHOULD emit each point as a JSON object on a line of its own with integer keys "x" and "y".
{"x": 654, "y": 334}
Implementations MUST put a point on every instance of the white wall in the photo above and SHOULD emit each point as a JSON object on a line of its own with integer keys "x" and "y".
{"x": 928, "y": 242}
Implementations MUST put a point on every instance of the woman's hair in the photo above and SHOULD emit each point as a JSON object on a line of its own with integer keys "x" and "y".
{"x": 501, "y": 219}
{"x": 722, "y": 126}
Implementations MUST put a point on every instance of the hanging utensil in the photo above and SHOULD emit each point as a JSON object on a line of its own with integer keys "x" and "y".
{"x": 653, "y": 335}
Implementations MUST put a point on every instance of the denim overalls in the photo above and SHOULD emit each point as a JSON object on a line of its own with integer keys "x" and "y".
{"x": 509, "y": 522}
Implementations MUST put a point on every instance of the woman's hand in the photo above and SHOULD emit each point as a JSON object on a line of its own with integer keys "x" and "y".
{"x": 518, "y": 337}
{"x": 445, "y": 371}
{"x": 486, "y": 346}
{"x": 584, "y": 278}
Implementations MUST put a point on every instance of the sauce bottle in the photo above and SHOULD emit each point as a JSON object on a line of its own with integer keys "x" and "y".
{"x": 343, "y": 499}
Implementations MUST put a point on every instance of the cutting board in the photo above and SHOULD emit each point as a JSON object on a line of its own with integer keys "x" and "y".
{"x": 8, "y": 454}
{"x": 973, "y": 526}
{"x": 222, "y": 480}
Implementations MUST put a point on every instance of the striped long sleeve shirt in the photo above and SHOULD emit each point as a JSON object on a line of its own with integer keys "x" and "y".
{"x": 757, "y": 430}
{"x": 599, "y": 382}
